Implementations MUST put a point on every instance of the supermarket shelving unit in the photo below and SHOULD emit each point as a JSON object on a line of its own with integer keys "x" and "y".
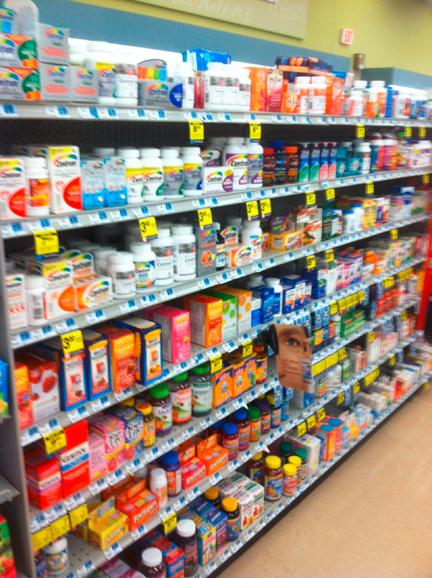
{"x": 91, "y": 126}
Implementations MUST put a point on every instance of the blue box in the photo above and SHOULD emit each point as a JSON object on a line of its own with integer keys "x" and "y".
{"x": 266, "y": 294}
{"x": 96, "y": 364}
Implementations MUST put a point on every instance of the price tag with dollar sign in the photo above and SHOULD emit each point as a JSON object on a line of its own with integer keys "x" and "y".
{"x": 205, "y": 218}
{"x": 148, "y": 228}
{"x": 196, "y": 132}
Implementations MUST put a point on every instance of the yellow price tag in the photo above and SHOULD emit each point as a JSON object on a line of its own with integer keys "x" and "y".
{"x": 425, "y": 179}
{"x": 255, "y": 131}
{"x": 321, "y": 414}
{"x": 342, "y": 354}
{"x": 404, "y": 315}
{"x": 388, "y": 282}
{"x": 252, "y": 210}
{"x": 340, "y": 398}
{"x": 196, "y": 131}
{"x": 205, "y": 218}
{"x": 55, "y": 441}
{"x": 349, "y": 301}
{"x": 426, "y": 385}
{"x": 46, "y": 242}
{"x": 310, "y": 199}
{"x": 72, "y": 342}
{"x": 329, "y": 361}
{"x": 356, "y": 388}
{"x": 408, "y": 131}
{"x": 342, "y": 305}
{"x": 216, "y": 363}
{"x": 170, "y": 523}
{"x": 369, "y": 190}
{"x": 333, "y": 308}
{"x": 394, "y": 234}
{"x": 311, "y": 422}
{"x": 60, "y": 527}
{"x": 42, "y": 538}
{"x": 247, "y": 349}
{"x": 392, "y": 360}
{"x": 360, "y": 131}
{"x": 301, "y": 429}
{"x": 148, "y": 227}
{"x": 310, "y": 262}
{"x": 370, "y": 378}
{"x": 329, "y": 255}
{"x": 330, "y": 194}
{"x": 265, "y": 207}
{"x": 361, "y": 296}
{"x": 371, "y": 337}
{"x": 355, "y": 299}
{"x": 79, "y": 515}
{"x": 422, "y": 132}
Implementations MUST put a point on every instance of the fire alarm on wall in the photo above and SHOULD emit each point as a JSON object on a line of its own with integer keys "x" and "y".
{"x": 347, "y": 36}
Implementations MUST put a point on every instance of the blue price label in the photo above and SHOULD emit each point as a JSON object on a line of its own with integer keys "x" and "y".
{"x": 103, "y": 216}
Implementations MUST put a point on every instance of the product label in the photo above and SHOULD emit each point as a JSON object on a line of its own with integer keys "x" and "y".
{"x": 73, "y": 375}
{"x": 163, "y": 418}
{"x": 184, "y": 260}
{"x": 276, "y": 417}
{"x": 145, "y": 275}
{"x": 107, "y": 80}
{"x": 182, "y": 405}
{"x": 190, "y": 552}
{"x": 232, "y": 445}
{"x": 38, "y": 193}
{"x": 265, "y": 423}
{"x": 233, "y": 528}
{"x": 149, "y": 433}
{"x": 193, "y": 177}
{"x": 56, "y": 563}
{"x": 273, "y": 487}
{"x": 123, "y": 283}
{"x": 164, "y": 262}
{"x": 153, "y": 180}
{"x": 289, "y": 485}
{"x": 244, "y": 438}
{"x": 135, "y": 184}
{"x": 126, "y": 82}
{"x": 220, "y": 256}
{"x": 256, "y": 474}
{"x": 255, "y": 431}
{"x": 174, "y": 482}
{"x": 99, "y": 376}
{"x": 202, "y": 397}
{"x": 255, "y": 169}
{"x": 239, "y": 164}
{"x": 261, "y": 370}
{"x": 173, "y": 179}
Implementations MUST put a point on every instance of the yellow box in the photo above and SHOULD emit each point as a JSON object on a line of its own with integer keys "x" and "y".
{"x": 107, "y": 525}
{"x": 289, "y": 241}
{"x": 205, "y": 319}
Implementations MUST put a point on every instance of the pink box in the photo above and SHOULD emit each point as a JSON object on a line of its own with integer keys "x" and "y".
{"x": 274, "y": 90}
{"x": 176, "y": 345}
{"x": 97, "y": 457}
{"x": 112, "y": 431}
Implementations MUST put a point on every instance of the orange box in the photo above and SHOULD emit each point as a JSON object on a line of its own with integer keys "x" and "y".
{"x": 23, "y": 396}
{"x": 121, "y": 356}
{"x": 334, "y": 94}
{"x": 139, "y": 509}
{"x": 205, "y": 319}
{"x": 328, "y": 434}
{"x": 129, "y": 491}
{"x": 290, "y": 103}
{"x": 249, "y": 371}
{"x": 213, "y": 455}
{"x": 92, "y": 292}
{"x": 238, "y": 375}
{"x": 258, "y": 78}
{"x": 116, "y": 489}
{"x": 222, "y": 386}
{"x": 186, "y": 451}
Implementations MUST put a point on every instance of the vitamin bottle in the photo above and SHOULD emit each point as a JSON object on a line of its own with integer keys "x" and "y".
{"x": 162, "y": 409}
{"x": 202, "y": 389}
{"x": 230, "y": 440}
{"x": 126, "y": 79}
{"x": 296, "y": 461}
{"x": 285, "y": 451}
{"x": 349, "y": 221}
{"x": 252, "y": 236}
{"x": 181, "y": 398}
{"x": 212, "y": 496}
{"x": 220, "y": 247}
{"x": 122, "y": 270}
{"x": 245, "y": 89}
{"x": 215, "y": 87}
{"x": 275, "y": 411}
{"x": 134, "y": 174}
{"x": 302, "y": 89}
{"x": 186, "y": 538}
{"x": 216, "y": 428}
{"x": 280, "y": 161}
{"x": 255, "y": 164}
{"x": 274, "y": 283}
{"x": 289, "y": 486}
{"x": 152, "y": 564}
{"x": 184, "y": 74}
{"x": 261, "y": 364}
{"x": 272, "y": 478}
{"x": 184, "y": 252}
{"x": 193, "y": 169}
{"x": 285, "y": 405}
{"x": 100, "y": 58}
{"x": 149, "y": 426}
{"x": 264, "y": 408}
{"x": 231, "y": 509}
{"x": 163, "y": 250}
{"x": 172, "y": 467}
{"x": 232, "y": 87}
{"x": 152, "y": 174}
{"x": 256, "y": 468}
{"x": 101, "y": 259}
{"x": 57, "y": 557}
{"x": 235, "y": 156}
{"x": 317, "y": 95}
{"x": 269, "y": 164}
{"x": 173, "y": 173}
{"x": 302, "y": 471}
{"x": 240, "y": 418}
{"x": 144, "y": 260}
{"x": 35, "y": 292}
{"x": 292, "y": 171}
{"x": 37, "y": 198}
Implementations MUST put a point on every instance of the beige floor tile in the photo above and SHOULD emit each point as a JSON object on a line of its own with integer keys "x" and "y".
{"x": 371, "y": 518}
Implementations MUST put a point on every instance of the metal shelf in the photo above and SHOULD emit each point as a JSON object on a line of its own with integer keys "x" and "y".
{"x": 7, "y": 491}
{"x": 79, "y": 220}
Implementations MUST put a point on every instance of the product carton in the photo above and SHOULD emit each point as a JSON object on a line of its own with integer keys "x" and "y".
{"x": 19, "y": 84}
{"x": 274, "y": 90}
{"x": 258, "y": 76}
{"x": 125, "y": 492}
{"x": 133, "y": 423}
{"x": 206, "y": 319}
{"x": 222, "y": 386}
{"x": 229, "y": 313}
{"x": 53, "y": 44}
{"x": 206, "y": 534}
{"x": 107, "y": 525}
{"x": 23, "y": 396}
{"x": 244, "y": 306}
{"x": 96, "y": 363}
{"x": 205, "y": 249}
{"x": 257, "y": 492}
{"x": 65, "y": 178}
{"x": 217, "y": 180}
{"x": 93, "y": 183}
{"x": 121, "y": 356}
{"x": 193, "y": 471}
{"x": 84, "y": 85}
{"x": 112, "y": 431}
{"x": 93, "y": 292}
{"x": 54, "y": 82}
{"x": 19, "y": 51}
{"x": 175, "y": 327}
{"x": 16, "y": 300}
{"x": 7, "y": 562}
{"x": 173, "y": 555}
{"x": 139, "y": 509}
{"x": 215, "y": 517}
{"x": 97, "y": 457}
{"x": 44, "y": 484}
{"x": 13, "y": 187}
{"x": 285, "y": 242}
{"x": 74, "y": 460}
{"x": 328, "y": 434}
{"x": 214, "y": 456}
{"x": 238, "y": 256}
{"x": 246, "y": 507}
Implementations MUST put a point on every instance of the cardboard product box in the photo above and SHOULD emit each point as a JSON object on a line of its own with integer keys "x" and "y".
{"x": 54, "y": 82}
{"x": 112, "y": 431}
{"x": 97, "y": 457}
{"x": 140, "y": 509}
{"x": 215, "y": 517}
{"x": 213, "y": 455}
{"x": 238, "y": 374}
{"x": 193, "y": 471}
{"x": 19, "y": 84}
{"x": 74, "y": 460}
{"x": 258, "y": 76}
{"x": 53, "y": 44}
{"x": 44, "y": 481}
{"x": 217, "y": 180}
{"x": 244, "y": 306}
{"x": 313, "y": 446}
{"x": 134, "y": 426}
{"x": 96, "y": 363}
{"x": 206, "y": 534}
{"x": 245, "y": 503}
{"x": 84, "y": 85}
{"x": 175, "y": 326}
{"x": 222, "y": 386}
{"x": 107, "y": 525}
{"x": 205, "y": 319}
{"x": 4, "y": 388}
{"x": 7, "y": 562}
{"x": 166, "y": 95}
{"x": 257, "y": 492}
{"x": 19, "y": 51}
{"x": 173, "y": 556}
{"x": 122, "y": 360}
{"x": 229, "y": 313}
{"x": 274, "y": 90}
{"x": 286, "y": 242}
{"x": 328, "y": 434}
{"x": 14, "y": 205}
{"x": 23, "y": 396}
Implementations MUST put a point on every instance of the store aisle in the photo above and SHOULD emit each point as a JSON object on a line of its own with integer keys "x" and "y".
{"x": 372, "y": 517}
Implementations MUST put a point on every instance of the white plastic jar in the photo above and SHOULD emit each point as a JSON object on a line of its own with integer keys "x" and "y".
{"x": 152, "y": 173}
{"x": 254, "y": 281}
{"x": 355, "y": 107}
{"x": 35, "y": 292}
{"x": 235, "y": 222}
{"x": 252, "y": 237}
{"x": 101, "y": 259}
{"x": 363, "y": 151}
{"x": 105, "y": 152}
{"x": 379, "y": 86}
{"x": 173, "y": 173}
{"x": 235, "y": 156}
{"x": 215, "y": 87}
{"x": 37, "y": 194}
{"x": 349, "y": 222}
{"x": 101, "y": 59}
{"x": 255, "y": 164}
{"x": 184, "y": 74}
{"x": 122, "y": 270}
{"x": 184, "y": 252}
{"x": 192, "y": 170}
{"x": 126, "y": 87}
{"x": 159, "y": 487}
{"x": 144, "y": 261}
{"x": 302, "y": 89}
{"x": 358, "y": 214}
{"x": 163, "y": 249}
{"x": 401, "y": 105}
{"x": 317, "y": 96}
{"x": 134, "y": 177}
{"x": 245, "y": 89}
{"x": 232, "y": 88}
{"x": 56, "y": 555}
{"x": 274, "y": 283}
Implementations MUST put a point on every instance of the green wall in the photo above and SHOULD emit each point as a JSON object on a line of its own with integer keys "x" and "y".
{"x": 392, "y": 33}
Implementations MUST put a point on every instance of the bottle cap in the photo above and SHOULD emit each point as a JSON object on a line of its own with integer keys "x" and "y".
{"x": 257, "y": 457}
{"x": 159, "y": 391}
{"x": 253, "y": 413}
{"x": 151, "y": 557}
{"x": 229, "y": 505}
{"x": 273, "y": 462}
{"x": 229, "y": 429}
{"x": 186, "y": 528}
{"x": 240, "y": 414}
{"x": 201, "y": 369}
{"x": 285, "y": 447}
{"x": 289, "y": 470}
{"x": 295, "y": 461}
{"x": 180, "y": 377}
{"x": 301, "y": 453}
{"x": 158, "y": 475}
{"x": 144, "y": 407}
{"x": 212, "y": 494}
{"x": 170, "y": 458}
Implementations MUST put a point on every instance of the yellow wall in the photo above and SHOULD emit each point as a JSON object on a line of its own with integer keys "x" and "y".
{"x": 392, "y": 33}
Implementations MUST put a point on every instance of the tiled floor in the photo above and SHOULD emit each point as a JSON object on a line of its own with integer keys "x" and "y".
{"x": 371, "y": 518}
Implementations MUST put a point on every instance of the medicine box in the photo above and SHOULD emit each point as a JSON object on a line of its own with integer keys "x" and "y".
{"x": 112, "y": 431}
{"x": 23, "y": 396}
{"x": 19, "y": 51}
{"x": 244, "y": 306}
{"x": 84, "y": 86}
{"x": 74, "y": 460}
{"x": 13, "y": 186}
{"x": 97, "y": 457}
{"x": 96, "y": 363}
{"x": 173, "y": 556}
{"x": 53, "y": 44}
{"x": 107, "y": 525}
{"x": 19, "y": 84}
{"x": 122, "y": 362}
{"x": 161, "y": 95}
{"x": 16, "y": 300}
{"x": 193, "y": 471}
{"x": 206, "y": 533}
{"x": 206, "y": 319}
{"x": 175, "y": 325}
{"x": 139, "y": 509}
{"x": 134, "y": 424}
{"x": 44, "y": 484}
{"x": 238, "y": 256}
{"x": 229, "y": 314}
{"x": 222, "y": 386}
{"x": 258, "y": 76}
{"x": 65, "y": 178}
{"x": 54, "y": 82}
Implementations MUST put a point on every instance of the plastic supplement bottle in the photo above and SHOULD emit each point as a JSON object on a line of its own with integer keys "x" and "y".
{"x": 173, "y": 173}
{"x": 349, "y": 221}
{"x": 302, "y": 89}
{"x": 152, "y": 174}
{"x": 134, "y": 174}
{"x": 152, "y": 564}
{"x": 122, "y": 270}
{"x": 164, "y": 266}
{"x": 101, "y": 259}
{"x": 57, "y": 557}
{"x": 184, "y": 74}
{"x": 236, "y": 158}
{"x": 254, "y": 164}
{"x": 126, "y": 86}
{"x": 215, "y": 87}
{"x": 220, "y": 247}
{"x": 232, "y": 88}
{"x": 202, "y": 390}
{"x": 36, "y": 174}
{"x": 35, "y": 292}
{"x": 252, "y": 236}
{"x": 101, "y": 58}
{"x": 144, "y": 259}
{"x": 245, "y": 89}
{"x": 184, "y": 252}
{"x": 274, "y": 283}
{"x": 192, "y": 168}
{"x": 186, "y": 539}
{"x": 317, "y": 95}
